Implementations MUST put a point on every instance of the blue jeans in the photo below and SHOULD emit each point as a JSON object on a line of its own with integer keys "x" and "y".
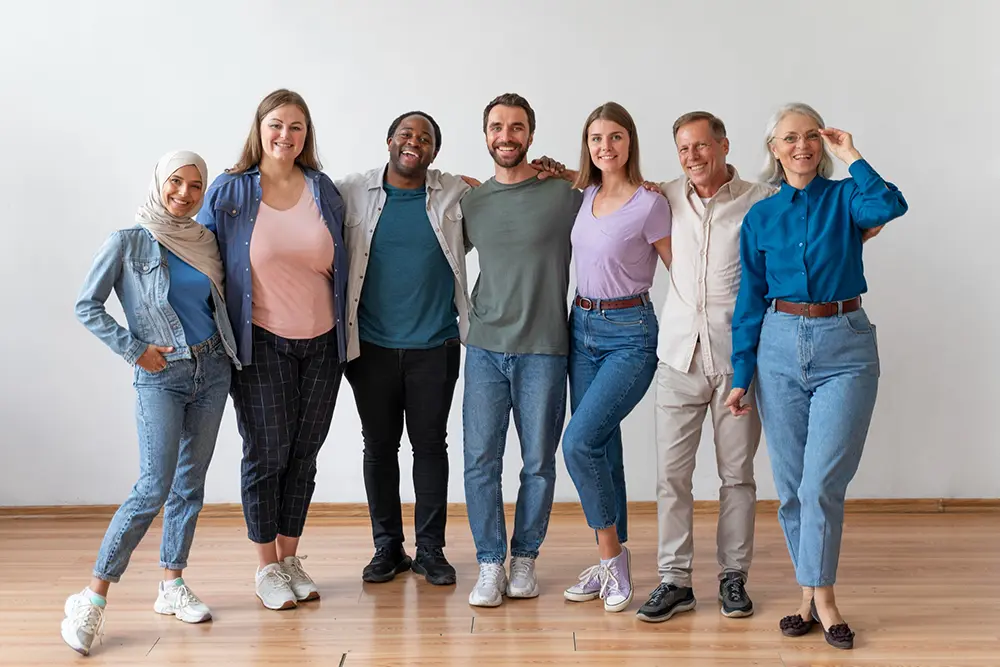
{"x": 612, "y": 362}
{"x": 534, "y": 387}
{"x": 817, "y": 379}
{"x": 178, "y": 412}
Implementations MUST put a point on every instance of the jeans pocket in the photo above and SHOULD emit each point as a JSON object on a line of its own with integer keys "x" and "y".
{"x": 857, "y": 321}
{"x": 624, "y": 317}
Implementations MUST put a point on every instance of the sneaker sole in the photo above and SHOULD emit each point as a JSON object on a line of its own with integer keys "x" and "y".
{"x": 287, "y": 604}
{"x": 314, "y": 595}
{"x": 446, "y": 580}
{"x": 736, "y": 613}
{"x": 187, "y": 619}
{"x": 687, "y": 606}
{"x": 533, "y": 593}
{"x": 404, "y": 565}
{"x": 487, "y": 604}
{"x": 580, "y": 597}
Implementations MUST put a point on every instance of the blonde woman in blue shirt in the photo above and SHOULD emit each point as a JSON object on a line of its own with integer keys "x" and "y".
{"x": 800, "y": 325}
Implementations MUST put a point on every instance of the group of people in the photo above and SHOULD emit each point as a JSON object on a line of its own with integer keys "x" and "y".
{"x": 273, "y": 281}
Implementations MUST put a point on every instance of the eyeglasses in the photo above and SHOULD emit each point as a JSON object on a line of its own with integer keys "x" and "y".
{"x": 793, "y": 138}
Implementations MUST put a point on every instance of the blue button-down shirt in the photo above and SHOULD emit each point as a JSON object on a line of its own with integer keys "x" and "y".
{"x": 804, "y": 246}
{"x": 230, "y": 209}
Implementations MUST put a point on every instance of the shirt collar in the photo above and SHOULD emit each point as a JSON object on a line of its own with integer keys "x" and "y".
{"x": 816, "y": 186}
{"x": 734, "y": 184}
{"x": 377, "y": 179}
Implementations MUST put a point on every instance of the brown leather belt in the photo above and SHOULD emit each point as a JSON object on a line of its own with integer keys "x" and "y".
{"x": 818, "y": 309}
{"x": 611, "y": 304}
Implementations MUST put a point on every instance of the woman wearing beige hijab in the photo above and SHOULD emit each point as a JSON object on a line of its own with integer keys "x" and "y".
{"x": 167, "y": 274}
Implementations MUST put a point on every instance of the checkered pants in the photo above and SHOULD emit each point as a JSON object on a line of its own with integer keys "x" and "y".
{"x": 284, "y": 406}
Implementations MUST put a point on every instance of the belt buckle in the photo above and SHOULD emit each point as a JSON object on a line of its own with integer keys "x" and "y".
{"x": 585, "y": 303}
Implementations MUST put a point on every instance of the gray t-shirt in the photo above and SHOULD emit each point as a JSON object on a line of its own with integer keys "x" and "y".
{"x": 522, "y": 233}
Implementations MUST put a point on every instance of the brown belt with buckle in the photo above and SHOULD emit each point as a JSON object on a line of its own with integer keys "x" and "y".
{"x": 611, "y": 304}
{"x": 818, "y": 309}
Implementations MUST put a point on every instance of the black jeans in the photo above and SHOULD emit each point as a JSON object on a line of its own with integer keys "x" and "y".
{"x": 416, "y": 385}
{"x": 284, "y": 404}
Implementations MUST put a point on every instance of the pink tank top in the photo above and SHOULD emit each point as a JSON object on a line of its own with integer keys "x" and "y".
{"x": 291, "y": 262}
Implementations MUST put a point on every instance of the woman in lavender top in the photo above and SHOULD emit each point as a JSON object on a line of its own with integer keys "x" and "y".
{"x": 619, "y": 232}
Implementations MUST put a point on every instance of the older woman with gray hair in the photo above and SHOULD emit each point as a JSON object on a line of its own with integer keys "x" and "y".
{"x": 800, "y": 326}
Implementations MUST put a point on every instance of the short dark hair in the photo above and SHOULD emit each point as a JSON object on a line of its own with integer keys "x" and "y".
{"x": 510, "y": 100}
{"x": 718, "y": 127}
{"x": 437, "y": 129}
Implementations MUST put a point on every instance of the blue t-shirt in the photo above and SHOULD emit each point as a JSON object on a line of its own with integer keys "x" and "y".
{"x": 189, "y": 295}
{"x": 408, "y": 298}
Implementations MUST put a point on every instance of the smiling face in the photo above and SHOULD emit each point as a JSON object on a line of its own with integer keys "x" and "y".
{"x": 609, "y": 145}
{"x": 508, "y": 135}
{"x": 702, "y": 155}
{"x": 183, "y": 191}
{"x": 412, "y": 146}
{"x": 283, "y": 133}
{"x": 798, "y": 145}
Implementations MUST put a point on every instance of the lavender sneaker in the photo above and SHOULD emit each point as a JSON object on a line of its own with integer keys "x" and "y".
{"x": 588, "y": 588}
{"x": 616, "y": 582}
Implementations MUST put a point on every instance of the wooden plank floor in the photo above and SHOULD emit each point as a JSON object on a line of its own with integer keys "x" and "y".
{"x": 920, "y": 590}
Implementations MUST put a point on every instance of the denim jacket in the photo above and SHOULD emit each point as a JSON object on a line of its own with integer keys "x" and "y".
{"x": 133, "y": 264}
{"x": 230, "y": 208}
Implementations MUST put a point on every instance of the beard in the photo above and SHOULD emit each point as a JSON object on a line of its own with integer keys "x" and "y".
{"x": 511, "y": 160}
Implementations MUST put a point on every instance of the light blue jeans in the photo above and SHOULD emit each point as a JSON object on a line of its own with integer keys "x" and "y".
{"x": 178, "y": 412}
{"x": 533, "y": 386}
{"x": 612, "y": 362}
{"x": 817, "y": 379}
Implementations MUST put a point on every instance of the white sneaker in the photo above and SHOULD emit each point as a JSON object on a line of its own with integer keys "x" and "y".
{"x": 83, "y": 623}
{"x": 176, "y": 599}
{"x": 490, "y": 586}
{"x": 522, "y": 583}
{"x": 273, "y": 589}
{"x": 301, "y": 583}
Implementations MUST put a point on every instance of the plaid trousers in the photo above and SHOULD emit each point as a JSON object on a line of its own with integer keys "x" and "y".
{"x": 284, "y": 404}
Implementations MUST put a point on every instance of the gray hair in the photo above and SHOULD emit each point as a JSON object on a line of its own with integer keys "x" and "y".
{"x": 773, "y": 172}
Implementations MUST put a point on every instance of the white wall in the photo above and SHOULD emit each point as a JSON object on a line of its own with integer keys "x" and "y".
{"x": 95, "y": 92}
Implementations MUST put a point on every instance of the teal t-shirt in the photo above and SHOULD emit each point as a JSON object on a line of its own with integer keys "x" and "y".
{"x": 408, "y": 298}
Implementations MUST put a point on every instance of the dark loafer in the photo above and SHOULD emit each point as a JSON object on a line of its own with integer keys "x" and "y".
{"x": 795, "y": 626}
{"x": 838, "y": 636}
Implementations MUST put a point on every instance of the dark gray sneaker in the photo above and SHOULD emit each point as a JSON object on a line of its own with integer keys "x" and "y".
{"x": 733, "y": 596}
{"x": 666, "y": 601}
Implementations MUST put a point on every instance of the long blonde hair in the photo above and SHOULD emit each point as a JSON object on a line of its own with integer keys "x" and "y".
{"x": 253, "y": 150}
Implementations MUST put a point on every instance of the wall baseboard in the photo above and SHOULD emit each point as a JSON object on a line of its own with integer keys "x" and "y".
{"x": 644, "y": 507}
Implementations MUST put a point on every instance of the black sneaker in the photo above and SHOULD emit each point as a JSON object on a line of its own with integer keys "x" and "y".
{"x": 388, "y": 561}
{"x": 431, "y": 563}
{"x": 733, "y": 596}
{"x": 666, "y": 601}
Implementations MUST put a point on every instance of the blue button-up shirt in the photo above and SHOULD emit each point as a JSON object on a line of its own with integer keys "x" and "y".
{"x": 230, "y": 209}
{"x": 804, "y": 246}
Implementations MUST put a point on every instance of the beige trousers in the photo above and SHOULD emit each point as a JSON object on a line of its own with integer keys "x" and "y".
{"x": 682, "y": 401}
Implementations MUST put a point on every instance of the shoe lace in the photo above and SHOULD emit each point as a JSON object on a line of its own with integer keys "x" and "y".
{"x": 277, "y": 578}
{"x": 521, "y": 568}
{"x": 656, "y": 597}
{"x": 293, "y": 568}
{"x": 733, "y": 589}
{"x": 609, "y": 581}
{"x": 489, "y": 575}
{"x": 186, "y": 597}
{"x": 90, "y": 618}
{"x": 591, "y": 572}
{"x": 433, "y": 553}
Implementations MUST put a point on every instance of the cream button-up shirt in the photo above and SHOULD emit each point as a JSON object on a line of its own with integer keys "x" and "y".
{"x": 704, "y": 272}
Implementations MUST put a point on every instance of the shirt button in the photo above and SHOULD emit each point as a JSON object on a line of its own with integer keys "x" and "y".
{"x": 247, "y": 243}
{"x": 247, "y": 269}
{"x": 234, "y": 211}
{"x": 800, "y": 245}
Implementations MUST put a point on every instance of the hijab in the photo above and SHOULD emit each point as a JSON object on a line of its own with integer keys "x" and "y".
{"x": 183, "y": 236}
